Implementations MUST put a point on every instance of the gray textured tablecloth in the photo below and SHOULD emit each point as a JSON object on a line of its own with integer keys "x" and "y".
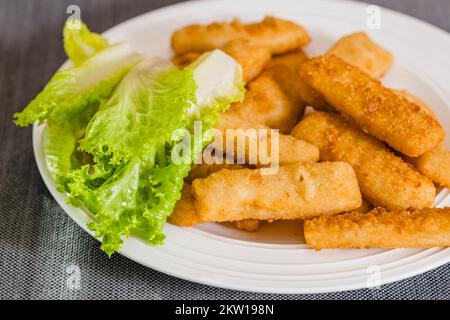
{"x": 38, "y": 241}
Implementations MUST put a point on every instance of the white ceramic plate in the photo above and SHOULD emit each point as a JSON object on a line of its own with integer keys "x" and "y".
{"x": 275, "y": 259}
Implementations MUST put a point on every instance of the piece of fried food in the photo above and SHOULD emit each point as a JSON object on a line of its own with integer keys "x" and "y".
{"x": 375, "y": 108}
{"x": 270, "y": 101}
{"x": 278, "y": 35}
{"x": 385, "y": 179}
{"x": 296, "y": 191}
{"x": 185, "y": 59}
{"x": 359, "y": 50}
{"x": 416, "y": 100}
{"x": 379, "y": 228}
{"x": 293, "y": 60}
{"x": 290, "y": 78}
{"x": 202, "y": 170}
{"x": 258, "y": 144}
{"x": 435, "y": 164}
{"x": 185, "y": 213}
{"x": 252, "y": 57}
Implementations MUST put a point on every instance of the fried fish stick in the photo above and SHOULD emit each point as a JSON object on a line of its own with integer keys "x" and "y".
{"x": 359, "y": 50}
{"x": 185, "y": 213}
{"x": 270, "y": 101}
{"x": 278, "y": 35}
{"x": 385, "y": 179}
{"x": 290, "y": 150}
{"x": 292, "y": 61}
{"x": 203, "y": 170}
{"x": 252, "y": 58}
{"x": 375, "y": 108}
{"x": 435, "y": 164}
{"x": 416, "y": 100}
{"x": 185, "y": 59}
{"x": 296, "y": 191}
{"x": 379, "y": 228}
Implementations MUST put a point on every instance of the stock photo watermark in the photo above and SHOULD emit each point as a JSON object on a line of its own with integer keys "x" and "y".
{"x": 374, "y": 279}
{"x": 73, "y": 280}
{"x": 373, "y": 21}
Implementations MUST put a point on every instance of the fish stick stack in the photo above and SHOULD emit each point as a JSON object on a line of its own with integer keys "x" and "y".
{"x": 360, "y": 170}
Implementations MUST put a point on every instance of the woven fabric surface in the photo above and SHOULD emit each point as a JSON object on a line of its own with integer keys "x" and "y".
{"x": 39, "y": 243}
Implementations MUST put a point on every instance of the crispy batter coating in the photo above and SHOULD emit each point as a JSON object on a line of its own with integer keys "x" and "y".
{"x": 293, "y": 60}
{"x": 252, "y": 57}
{"x": 379, "y": 228}
{"x": 291, "y": 63}
{"x": 359, "y": 50}
{"x": 375, "y": 108}
{"x": 290, "y": 150}
{"x": 416, "y": 100}
{"x": 435, "y": 164}
{"x": 278, "y": 35}
{"x": 185, "y": 59}
{"x": 250, "y": 225}
{"x": 385, "y": 179}
{"x": 185, "y": 213}
{"x": 271, "y": 101}
{"x": 203, "y": 170}
{"x": 296, "y": 191}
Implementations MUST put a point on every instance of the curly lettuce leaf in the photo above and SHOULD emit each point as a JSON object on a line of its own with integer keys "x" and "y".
{"x": 138, "y": 120}
{"x": 73, "y": 90}
{"x": 80, "y": 43}
{"x": 132, "y": 133}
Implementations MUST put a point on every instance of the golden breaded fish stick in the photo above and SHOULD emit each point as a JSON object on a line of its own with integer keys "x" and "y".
{"x": 385, "y": 179}
{"x": 252, "y": 58}
{"x": 296, "y": 191}
{"x": 290, "y": 150}
{"x": 360, "y": 51}
{"x": 379, "y": 228}
{"x": 375, "y": 108}
{"x": 185, "y": 59}
{"x": 270, "y": 101}
{"x": 185, "y": 213}
{"x": 416, "y": 100}
{"x": 435, "y": 164}
{"x": 292, "y": 61}
{"x": 203, "y": 170}
{"x": 278, "y": 35}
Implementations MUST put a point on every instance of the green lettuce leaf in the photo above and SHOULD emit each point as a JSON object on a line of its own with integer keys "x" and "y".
{"x": 133, "y": 133}
{"x": 80, "y": 43}
{"x": 72, "y": 90}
